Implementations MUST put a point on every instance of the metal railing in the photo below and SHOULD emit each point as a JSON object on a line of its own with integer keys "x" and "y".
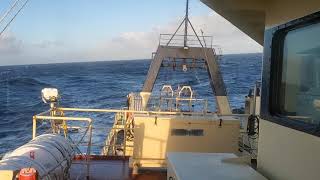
{"x": 170, "y": 104}
{"x": 192, "y": 40}
{"x": 178, "y": 104}
{"x": 62, "y": 122}
{"x": 122, "y": 122}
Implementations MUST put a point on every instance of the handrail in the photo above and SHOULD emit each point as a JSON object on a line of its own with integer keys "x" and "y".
{"x": 181, "y": 35}
{"x": 178, "y": 40}
{"x": 41, "y": 116}
{"x": 134, "y": 111}
{"x": 47, "y": 115}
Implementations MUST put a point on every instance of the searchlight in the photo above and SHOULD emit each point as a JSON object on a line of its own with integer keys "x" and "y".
{"x": 50, "y": 95}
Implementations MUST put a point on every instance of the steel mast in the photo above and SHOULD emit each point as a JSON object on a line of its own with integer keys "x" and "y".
{"x": 186, "y": 20}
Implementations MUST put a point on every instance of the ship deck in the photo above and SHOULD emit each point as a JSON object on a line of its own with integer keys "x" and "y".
{"x": 103, "y": 167}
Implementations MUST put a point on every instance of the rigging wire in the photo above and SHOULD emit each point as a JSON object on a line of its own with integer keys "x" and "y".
{"x": 9, "y": 10}
{"x": 16, "y": 14}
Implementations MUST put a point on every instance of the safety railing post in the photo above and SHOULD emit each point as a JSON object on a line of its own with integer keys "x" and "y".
{"x": 89, "y": 150}
{"x": 124, "y": 139}
{"x": 34, "y": 127}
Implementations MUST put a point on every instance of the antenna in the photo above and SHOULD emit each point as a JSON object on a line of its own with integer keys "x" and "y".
{"x": 186, "y": 20}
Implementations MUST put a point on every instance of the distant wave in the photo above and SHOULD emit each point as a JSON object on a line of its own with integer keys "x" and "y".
{"x": 23, "y": 81}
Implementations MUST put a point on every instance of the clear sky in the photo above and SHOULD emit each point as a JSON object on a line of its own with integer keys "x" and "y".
{"x": 49, "y": 31}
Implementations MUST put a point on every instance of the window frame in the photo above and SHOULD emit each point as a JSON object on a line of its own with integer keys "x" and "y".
{"x": 272, "y": 74}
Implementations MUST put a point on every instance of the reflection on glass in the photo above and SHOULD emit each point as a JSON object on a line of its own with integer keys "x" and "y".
{"x": 300, "y": 84}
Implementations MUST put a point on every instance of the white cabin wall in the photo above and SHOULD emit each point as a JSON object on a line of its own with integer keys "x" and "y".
{"x": 284, "y": 153}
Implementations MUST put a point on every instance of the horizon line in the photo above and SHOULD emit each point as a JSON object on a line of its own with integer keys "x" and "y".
{"x": 114, "y": 60}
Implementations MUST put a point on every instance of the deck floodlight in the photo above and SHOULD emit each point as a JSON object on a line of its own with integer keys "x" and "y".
{"x": 184, "y": 68}
{"x": 49, "y": 95}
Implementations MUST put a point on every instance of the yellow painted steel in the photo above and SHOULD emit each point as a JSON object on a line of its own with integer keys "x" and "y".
{"x": 153, "y": 137}
{"x": 127, "y": 145}
{"x": 34, "y": 127}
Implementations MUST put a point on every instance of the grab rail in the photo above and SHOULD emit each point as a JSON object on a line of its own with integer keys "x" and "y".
{"x": 178, "y": 40}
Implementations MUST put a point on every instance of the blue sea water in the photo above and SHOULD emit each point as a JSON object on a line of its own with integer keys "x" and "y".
{"x": 104, "y": 85}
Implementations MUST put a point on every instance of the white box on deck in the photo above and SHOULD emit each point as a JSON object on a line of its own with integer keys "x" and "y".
{"x": 208, "y": 166}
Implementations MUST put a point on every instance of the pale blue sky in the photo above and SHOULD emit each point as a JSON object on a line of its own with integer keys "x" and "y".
{"x": 73, "y": 26}
{"x": 88, "y": 20}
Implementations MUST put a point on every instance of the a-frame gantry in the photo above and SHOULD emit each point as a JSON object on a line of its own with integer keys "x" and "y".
{"x": 173, "y": 48}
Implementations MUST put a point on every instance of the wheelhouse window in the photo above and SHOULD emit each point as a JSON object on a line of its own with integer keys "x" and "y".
{"x": 298, "y": 96}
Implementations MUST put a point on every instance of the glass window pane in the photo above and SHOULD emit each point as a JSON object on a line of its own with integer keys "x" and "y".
{"x": 300, "y": 82}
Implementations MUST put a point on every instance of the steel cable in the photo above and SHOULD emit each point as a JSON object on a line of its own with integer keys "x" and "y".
{"x": 16, "y": 14}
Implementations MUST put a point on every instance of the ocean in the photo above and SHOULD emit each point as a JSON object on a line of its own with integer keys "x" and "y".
{"x": 104, "y": 84}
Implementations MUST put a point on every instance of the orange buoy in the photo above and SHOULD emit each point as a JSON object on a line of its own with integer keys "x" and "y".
{"x": 28, "y": 174}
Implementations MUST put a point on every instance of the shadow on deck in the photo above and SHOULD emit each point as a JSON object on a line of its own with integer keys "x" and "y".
{"x": 105, "y": 168}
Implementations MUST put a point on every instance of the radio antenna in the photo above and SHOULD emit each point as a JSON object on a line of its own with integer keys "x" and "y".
{"x": 186, "y": 22}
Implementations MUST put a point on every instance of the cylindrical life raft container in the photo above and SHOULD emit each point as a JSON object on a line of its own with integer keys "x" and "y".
{"x": 49, "y": 154}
